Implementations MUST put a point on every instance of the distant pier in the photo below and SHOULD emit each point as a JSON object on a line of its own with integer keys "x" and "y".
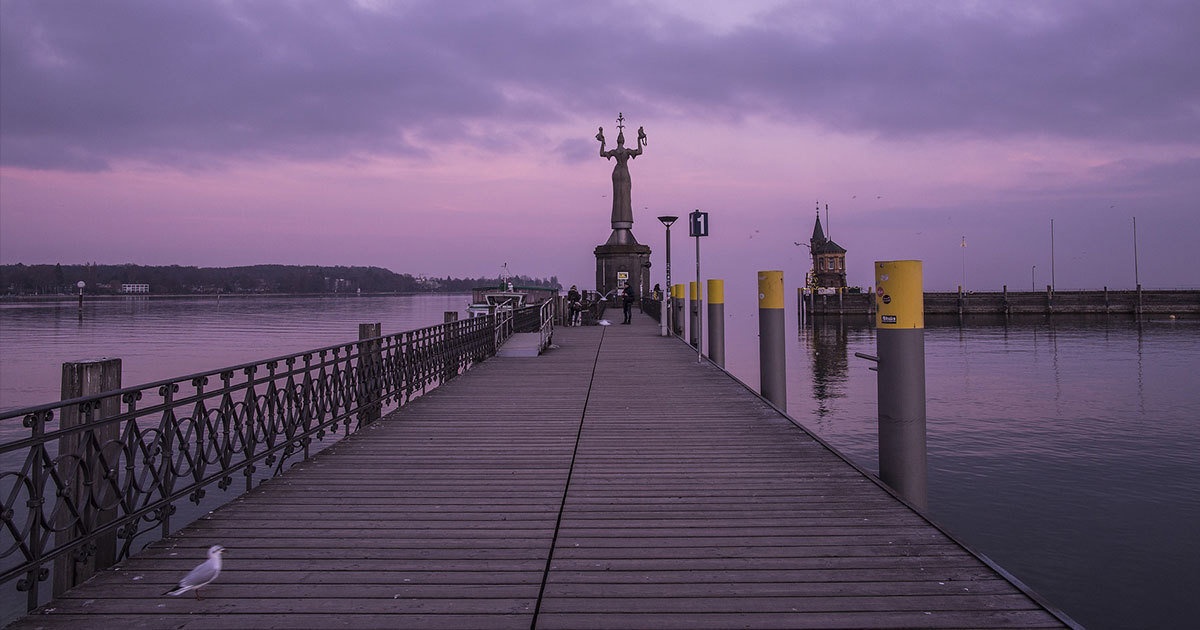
{"x": 1048, "y": 302}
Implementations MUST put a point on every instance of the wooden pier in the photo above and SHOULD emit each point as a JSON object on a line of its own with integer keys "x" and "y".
{"x": 613, "y": 482}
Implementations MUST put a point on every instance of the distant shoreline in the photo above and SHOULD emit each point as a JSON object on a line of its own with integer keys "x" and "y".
{"x": 196, "y": 296}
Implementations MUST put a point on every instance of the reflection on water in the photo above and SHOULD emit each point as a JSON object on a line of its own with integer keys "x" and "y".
{"x": 827, "y": 341}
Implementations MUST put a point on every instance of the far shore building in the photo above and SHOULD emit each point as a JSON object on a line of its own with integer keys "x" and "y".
{"x": 828, "y": 260}
{"x": 135, "y": 287}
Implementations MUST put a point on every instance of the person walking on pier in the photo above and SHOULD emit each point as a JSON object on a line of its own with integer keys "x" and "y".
{"x": 629, "y": 298}
{"x": 574, "y": 308}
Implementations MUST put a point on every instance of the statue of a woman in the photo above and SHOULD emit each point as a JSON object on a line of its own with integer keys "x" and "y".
{"x": 622, "y": 205}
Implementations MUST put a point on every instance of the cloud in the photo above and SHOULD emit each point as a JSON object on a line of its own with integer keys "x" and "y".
{"x": 194, "y": 85}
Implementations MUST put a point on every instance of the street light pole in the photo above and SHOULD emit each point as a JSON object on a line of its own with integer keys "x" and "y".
{"x": 664, "y": 318}
{"x": 963, "y": 287}
{"x": 1033, "y": 279}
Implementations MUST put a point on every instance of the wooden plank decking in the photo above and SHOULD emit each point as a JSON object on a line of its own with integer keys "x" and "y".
{"x": 613, "y": 482}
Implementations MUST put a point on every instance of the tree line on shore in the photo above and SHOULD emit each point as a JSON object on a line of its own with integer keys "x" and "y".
{"x": 59, "y": 279}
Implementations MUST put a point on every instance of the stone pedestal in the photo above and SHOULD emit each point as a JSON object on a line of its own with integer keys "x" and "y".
{"x": 613, "y": 258}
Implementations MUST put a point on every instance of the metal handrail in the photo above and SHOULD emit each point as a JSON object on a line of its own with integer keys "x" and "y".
{"x": 116, "y": 479}
{"x": 546, "y": 315}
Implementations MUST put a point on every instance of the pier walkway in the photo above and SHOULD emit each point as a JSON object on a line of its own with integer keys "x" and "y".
{"x": 613, "y": 482}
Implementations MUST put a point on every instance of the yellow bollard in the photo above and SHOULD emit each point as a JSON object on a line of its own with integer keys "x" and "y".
{"x": 771, "y": 339}
{"x": 900, "y": 339}
{"x": 716, "y": 322}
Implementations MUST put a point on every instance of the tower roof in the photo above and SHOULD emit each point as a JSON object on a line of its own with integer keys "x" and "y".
{"x": 818, "y": 235}
{"x": 829, "y": 247}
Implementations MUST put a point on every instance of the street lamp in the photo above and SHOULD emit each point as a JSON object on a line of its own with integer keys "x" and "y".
{"x": 1033, "y": 279}
{"x": 664, "y": 317}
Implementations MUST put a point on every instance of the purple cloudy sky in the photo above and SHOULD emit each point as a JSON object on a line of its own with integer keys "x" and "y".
{"x": 452, "y": 137}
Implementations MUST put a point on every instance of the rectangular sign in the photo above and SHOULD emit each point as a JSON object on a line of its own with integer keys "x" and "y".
{"x": 888, "y": 319}
{"x": 698, "y": 224}
{"x": 622, "y": 275}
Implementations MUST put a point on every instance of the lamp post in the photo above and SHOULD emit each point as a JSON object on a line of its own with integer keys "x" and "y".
{"x": 963, "y": 286}
{"x": 1137, "y": 282}
{"x": 666, "y": 306}
{"x": 1052, "y": 287}
{"x": 1033, "y": 279}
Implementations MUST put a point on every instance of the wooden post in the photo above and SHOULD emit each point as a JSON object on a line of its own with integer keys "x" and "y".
{"x": 370, "y": 361}
{"x": 87, "y": 463}
{"x": 453, "y": 356}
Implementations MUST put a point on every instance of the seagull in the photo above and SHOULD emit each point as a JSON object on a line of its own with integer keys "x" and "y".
{"x": 206, "y": 572}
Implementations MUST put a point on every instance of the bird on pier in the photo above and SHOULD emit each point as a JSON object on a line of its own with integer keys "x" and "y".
{"x": 204, "y": 573}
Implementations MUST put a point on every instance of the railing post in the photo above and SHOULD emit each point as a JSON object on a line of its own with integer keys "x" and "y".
{"x": 772, "y": 356}
{"x": 900, "y": 337}
{"x": 716, "y": 321}
{"x": 86, "y": 467}
{"x": 370, "y": 360}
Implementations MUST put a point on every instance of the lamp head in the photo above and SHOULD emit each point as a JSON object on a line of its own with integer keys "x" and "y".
{"x": 667, "y": 220}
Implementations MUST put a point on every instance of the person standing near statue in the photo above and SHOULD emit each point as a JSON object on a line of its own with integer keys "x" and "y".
{"x": 622, "y": 204}
{"x": 628, "y": 298}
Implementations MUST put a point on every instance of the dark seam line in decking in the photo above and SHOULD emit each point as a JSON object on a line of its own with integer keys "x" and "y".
{"x": 562, "y": 505}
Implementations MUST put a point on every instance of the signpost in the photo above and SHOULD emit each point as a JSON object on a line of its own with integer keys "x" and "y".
{"x": 697, "y": 227}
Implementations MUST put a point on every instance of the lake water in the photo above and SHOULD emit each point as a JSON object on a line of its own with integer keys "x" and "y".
{"x": 1066, "y": 450}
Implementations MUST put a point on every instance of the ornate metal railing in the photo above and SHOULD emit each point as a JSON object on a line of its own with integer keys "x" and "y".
{"x": 72, "y": 493}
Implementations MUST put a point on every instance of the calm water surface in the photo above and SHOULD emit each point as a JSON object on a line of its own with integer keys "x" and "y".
{"x": 1066, "y": 451}
{"x": 163, "y": 338}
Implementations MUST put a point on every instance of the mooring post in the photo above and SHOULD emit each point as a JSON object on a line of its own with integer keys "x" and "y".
{"x": 370, "y": 360}
{"x": 695, "y": 303}
{"x": 900, "y": 339}
{"x": 677, "y": 303}
{"x": 772, "y": 349}
{"x": 716, "y": 321}
{"x": 88, "y": 467}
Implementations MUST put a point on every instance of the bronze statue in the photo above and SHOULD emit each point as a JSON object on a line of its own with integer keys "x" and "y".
{"x": 622, "y": 205}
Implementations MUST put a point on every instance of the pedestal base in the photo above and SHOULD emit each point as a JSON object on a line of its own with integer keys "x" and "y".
{"x": 632, "y": 259}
